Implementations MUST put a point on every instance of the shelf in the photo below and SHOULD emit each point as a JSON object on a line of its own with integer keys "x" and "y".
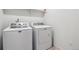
{"x": 25, "y": 12}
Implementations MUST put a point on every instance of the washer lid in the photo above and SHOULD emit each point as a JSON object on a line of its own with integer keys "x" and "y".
{"x": 17, "y": 29}
{"x": 41, "y": 26}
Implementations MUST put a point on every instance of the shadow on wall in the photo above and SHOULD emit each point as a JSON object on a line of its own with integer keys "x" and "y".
{"x": 52, "y": 37}
{"x": 1, "y": 43}
{"x": 1, "y": 39}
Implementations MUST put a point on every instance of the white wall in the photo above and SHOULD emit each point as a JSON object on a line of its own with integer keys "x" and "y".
{"x": 66, "y": 27}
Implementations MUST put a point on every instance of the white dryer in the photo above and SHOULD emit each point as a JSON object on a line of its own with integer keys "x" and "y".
{"x": 42, "y": 36}
{"x": 19, "y": 38}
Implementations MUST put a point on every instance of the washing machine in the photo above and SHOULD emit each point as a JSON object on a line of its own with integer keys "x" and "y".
{"x": 17, "y": 37}
{"x": 42, "y": 36}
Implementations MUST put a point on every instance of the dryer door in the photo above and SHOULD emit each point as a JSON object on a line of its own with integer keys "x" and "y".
{"x": 45, "y": 38}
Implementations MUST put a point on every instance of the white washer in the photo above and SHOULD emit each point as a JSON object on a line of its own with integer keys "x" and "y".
{"x": 17, "y": 38}
{"x": 42, "y": 37}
